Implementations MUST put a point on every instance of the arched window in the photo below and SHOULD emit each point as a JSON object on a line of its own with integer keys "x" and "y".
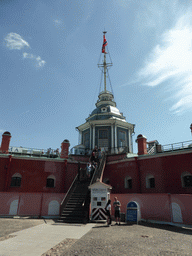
{"x": 128, "y": 182}
{"x": 150, "y": 181}
{"x": 50, "y": 181}
{"x": 16, "y": 180}
{"x": 186, "y": 180}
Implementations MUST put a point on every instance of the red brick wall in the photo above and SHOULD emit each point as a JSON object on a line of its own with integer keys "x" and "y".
{"x": 71, "y": 172}
{"x": 115, "y": 157}
{"x": 4, "y": 162}
{"x": 79, "y": 158}
{"x": 166, "y": 169}
{"x": 34, "y": 175}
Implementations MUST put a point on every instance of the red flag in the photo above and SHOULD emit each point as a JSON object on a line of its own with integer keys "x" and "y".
{"x": 104, "y": 44}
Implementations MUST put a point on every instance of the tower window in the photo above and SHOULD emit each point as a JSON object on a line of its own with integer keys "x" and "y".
{"x": 86, "y": 140}
{"x": 103, "y": 109}
{"x": 122, "y": 139}
{"x": 103, "y": 134}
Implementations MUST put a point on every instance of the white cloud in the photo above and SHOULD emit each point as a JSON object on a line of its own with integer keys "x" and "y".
{"x": 39, "y": 62}
{"x": 15, "y": 41}
{"x": 57, "y": 21}
{"x": 172, "y": 59}
{"x": 28, "y": 55}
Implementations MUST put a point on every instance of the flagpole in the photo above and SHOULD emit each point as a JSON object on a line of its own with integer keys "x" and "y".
{"x": 105, "y": 68}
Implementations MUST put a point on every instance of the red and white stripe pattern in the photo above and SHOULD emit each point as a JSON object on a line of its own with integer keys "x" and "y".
{"x": 99, "y": 214}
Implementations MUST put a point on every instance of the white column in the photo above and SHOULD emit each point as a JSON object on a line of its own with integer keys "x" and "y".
{"x": 115, "y": 138}
{"x": 112, "y": 141}
{"x": 80, "y": 138}
{"x": 93, "y": 136}
{"x": 130, "y": 142}
{"x": 90, "y": 137}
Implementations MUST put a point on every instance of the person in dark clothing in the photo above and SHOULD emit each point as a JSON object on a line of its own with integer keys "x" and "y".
{"x": 108, "y": 212}
{"x": 94, "y": 155}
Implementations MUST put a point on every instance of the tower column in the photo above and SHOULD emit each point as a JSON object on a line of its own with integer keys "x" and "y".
{"x": 80, "y": 138}
{"x": 130, "y": 142}
{"x": 93, "y": 136}
{"x": 112, "y": 141}
{"x": 90, "y": 137}
{"x": 116, "y": 138}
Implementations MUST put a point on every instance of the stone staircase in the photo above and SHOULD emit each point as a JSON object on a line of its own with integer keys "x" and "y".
{"x": 75, "y": 210}
{"x": 75, "y": 205}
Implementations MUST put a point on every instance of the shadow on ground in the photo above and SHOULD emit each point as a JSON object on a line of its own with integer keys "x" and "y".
{"x": 182, "y": 230}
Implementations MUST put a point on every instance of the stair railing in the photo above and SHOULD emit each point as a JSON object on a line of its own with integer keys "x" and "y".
{"x": 67, "y": 196}
{"x": 102, "y": 168}
{"x": 98, "y": 173}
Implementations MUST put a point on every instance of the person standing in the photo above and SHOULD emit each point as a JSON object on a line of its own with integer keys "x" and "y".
{"x": 117, "y": 209}
{"x": 108, "y": 212}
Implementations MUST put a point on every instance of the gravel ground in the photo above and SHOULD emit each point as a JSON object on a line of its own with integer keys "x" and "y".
{"x": 146, "y": 239}
{"x": 11, "y": 225}
{"x": 61, "y": 248}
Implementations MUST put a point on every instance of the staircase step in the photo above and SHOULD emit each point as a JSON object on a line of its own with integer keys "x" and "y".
{"x": 73, "y": 209}
{"x": 77, "y": 206}
{"x": 77, "y": 218}
{"x": 77, "y": 197}
{"x": 72, "y": 214}
{"x": 79, "y": 194}
{"x": 73, "y": 221}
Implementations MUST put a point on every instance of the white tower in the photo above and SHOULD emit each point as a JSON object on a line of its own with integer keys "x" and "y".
{"x": 106, "y": 127}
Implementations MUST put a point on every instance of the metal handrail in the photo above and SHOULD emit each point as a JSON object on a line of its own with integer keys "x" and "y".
{"x": 33, "y": 151}
{"x": 97, "y": 174}
{"x": 101, "y": 176}
{"x": 99, "y": 170}
{"x": 177, "y": 146}
{"x": 108, "y": 150}
{"x": 68, "y": 194}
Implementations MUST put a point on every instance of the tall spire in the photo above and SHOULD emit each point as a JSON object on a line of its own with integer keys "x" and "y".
{"x": 105, "y": 65}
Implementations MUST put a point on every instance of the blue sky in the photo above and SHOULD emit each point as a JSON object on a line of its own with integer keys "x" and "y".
{"x": 49, "y": 52}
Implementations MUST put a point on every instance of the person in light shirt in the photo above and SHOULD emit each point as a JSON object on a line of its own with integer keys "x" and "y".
{"x": 116, "y": 206}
